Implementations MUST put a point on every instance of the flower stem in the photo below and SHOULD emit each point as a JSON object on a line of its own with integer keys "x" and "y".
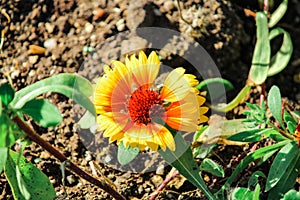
{"x": 31, "y": 134}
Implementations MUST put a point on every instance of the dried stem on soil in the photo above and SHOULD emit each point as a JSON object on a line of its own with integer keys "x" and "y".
{"x": 30, "y": 133}
{"x": 163, "y": 185}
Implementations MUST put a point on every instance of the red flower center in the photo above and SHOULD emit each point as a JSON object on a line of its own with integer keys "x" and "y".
{"x": 145, "y": 105}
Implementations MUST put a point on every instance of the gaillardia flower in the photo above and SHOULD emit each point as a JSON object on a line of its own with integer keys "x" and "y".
{"x": 132, "y": 109}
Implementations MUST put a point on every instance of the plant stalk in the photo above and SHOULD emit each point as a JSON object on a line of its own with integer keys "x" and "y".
{"x": 30, "y": 133}
{"x": 163, "y": 185}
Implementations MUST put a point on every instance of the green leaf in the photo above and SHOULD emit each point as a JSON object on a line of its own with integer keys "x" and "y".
{"x": 278, "y": 13}
{"x": 31, "y": 179}
{"x": 6, "y": 93}
{"x": 295, "y": 114}
{"x": 275, "y": 135}
{"x": 1, "y": 109}
{"x": 287, "y": 117}
{"x": 254, "y": 179}
{"x": 182, "y": 159}
{"x": 7, "y": 137}
{"x": 281, "y": 59}
{"x": 3, "y": 157}
{"x": 203, "y": 150}
{"x": 241, "y": 193}
{"x": 291, "y": 127}
{"x": 235, "y": 102}
{"x": 281, "y": 163}
{"x": 256, "y": 192}
{"x": 249, "y": 135}
{"x": 43, "y": 112}
{"x": 259, "y": 153}
{"x": 71, "y": 85}
{"x": 274, "y": 103}
{"x": 262, "y": 51}
{"x": 212, "y": 167}
{"x": 254, "y": 135}
{"x": 266, "y": 157}
{"x": 290, "y": 122}
{"x": 215, "y": 87}
{"x": 126, "y": 154}
{"x": 292, "y": 195}
{"x": 287, "y": 181}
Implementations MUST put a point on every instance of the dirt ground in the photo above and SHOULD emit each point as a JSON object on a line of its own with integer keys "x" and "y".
{"x": 70, "y": 29}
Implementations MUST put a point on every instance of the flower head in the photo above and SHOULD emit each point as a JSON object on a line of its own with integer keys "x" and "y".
{"x": 133, "y": 110}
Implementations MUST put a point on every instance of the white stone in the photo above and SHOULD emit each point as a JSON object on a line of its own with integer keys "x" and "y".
{"x": 50, "y": 44}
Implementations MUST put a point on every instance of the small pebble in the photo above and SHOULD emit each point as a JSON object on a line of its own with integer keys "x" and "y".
{"x": 88, "y": 27}
{"x": 169, "y": 5}
{"x": 93, "y": 37}
{"x": 33, "y": 59}
{"x": 71, "y": 179}
{"x": 37, "y": 160}
{"x": 160, "y": 170}
{"x": 52, "y": 181}
{"x": 88, "y": 156}
{"x": 140, "y": 189}
{"x": 120, "y": 25}
{"x": 147, "y": 190}
{"x": 45, "y": 155}
{"x": 98, "y": 14}
{"x": 31, "y": 73}
{"x": 49, "y": 27}
{"x": 107, "y": 159}
{"x": 34, "y": 49}
{"x": 156, "y": 180}
{"x": 15, "y": 73}
{"x": 50, "y": 44}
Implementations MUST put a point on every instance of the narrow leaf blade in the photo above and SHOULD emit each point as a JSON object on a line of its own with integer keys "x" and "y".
{"x": 212, "y": 167}
{"x": 182, "y": 159}
{"x": 3, "y": 157}
{"x": 262, "y": 51}
{"x": 249, "y": 135}
{"x": 71, "y": 85}
{"x": 254, "y": 179}
{"x": 278, "y": 13}
{"x": 215, "y": 87}
{"x": 235, "y": 102}
{"x": 280, "y": 164}
{"x": 281, "y": 59}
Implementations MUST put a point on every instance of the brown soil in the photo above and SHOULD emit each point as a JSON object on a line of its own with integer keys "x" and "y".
{"x": 225, "y": 32}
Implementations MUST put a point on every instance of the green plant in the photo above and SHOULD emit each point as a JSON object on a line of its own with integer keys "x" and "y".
{"x": 27, "y": 181}
{"x": 284, "y": 169}
{"x": 263, "y": 64}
